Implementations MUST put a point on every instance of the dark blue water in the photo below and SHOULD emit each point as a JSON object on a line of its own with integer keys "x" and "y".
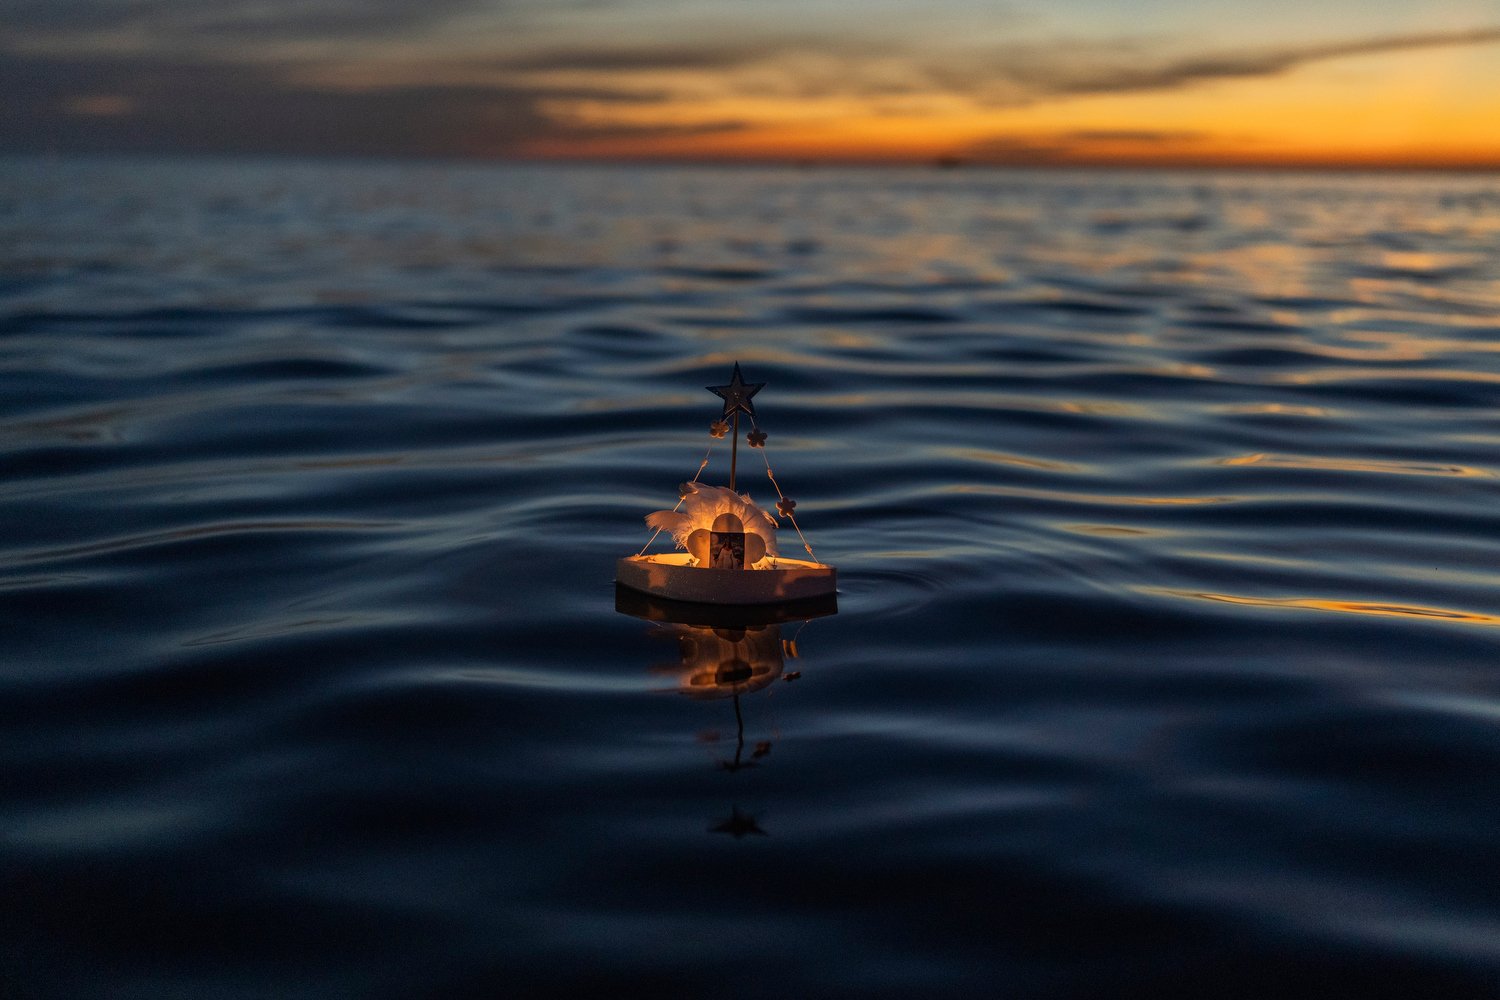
{"x": 1166, "y": 515}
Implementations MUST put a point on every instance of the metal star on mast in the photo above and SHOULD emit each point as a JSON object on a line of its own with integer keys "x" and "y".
{"x": 737, "y": 393}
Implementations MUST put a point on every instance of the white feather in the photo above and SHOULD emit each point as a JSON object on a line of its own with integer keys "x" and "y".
{"x": 702, "y": 504}
{"x": 669, "y": 521}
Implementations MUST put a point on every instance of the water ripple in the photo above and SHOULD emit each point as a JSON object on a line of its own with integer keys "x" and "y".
{"x": 1164, "y": 513}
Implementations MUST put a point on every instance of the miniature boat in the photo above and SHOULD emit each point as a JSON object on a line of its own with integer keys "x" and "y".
{"x": 674, "y": 577}
{"x": 728, "y": 544}
{"x": 639, "y": 604}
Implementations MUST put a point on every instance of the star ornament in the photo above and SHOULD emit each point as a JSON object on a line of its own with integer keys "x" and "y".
{"x": 737, "y": 393}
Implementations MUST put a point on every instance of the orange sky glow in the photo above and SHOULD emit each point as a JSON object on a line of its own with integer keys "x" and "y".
{"x": 1410, "y": 109}
{"x": 1336, "y": 83}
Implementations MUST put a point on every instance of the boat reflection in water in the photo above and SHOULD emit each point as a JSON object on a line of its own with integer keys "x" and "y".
{"x": 729, "y": 652}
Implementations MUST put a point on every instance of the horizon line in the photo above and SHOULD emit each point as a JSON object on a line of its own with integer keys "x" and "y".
{"x": 943, "y": 163}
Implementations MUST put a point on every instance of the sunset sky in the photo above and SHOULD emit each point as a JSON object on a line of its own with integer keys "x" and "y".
{"x": 1323, "y": 82}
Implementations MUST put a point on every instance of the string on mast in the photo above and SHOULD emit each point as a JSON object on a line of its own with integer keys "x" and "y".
{"x": 783, "y": 508}
{"x": 680, "y": 500}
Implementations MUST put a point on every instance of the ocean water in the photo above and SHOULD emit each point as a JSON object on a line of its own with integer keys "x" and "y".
{"x": 1165, "y": 512}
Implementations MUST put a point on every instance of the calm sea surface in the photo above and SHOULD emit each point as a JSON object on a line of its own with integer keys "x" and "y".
{"x": 1166, "y": 514}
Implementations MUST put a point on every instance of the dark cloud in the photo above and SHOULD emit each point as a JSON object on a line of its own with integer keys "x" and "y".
{"x": 566, "y": 130}
{"x": 1013, "y": 76}
{"x": 155, "y": 105}
{"x": 198, "y": 21}
{"x": 176, "y": 106}
{"x": 1053, "y": 76}
{"x": 210, "y": 87}
{"x": 1020, "y": 150}
{"x": 1140, "y": 137}
{"x": 607, "y": 58}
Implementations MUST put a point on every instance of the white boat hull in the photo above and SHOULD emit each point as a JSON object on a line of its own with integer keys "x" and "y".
{"x": 670, "y": 576}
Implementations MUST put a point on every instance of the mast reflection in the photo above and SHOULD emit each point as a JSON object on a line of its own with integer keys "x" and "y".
{"x": 726, "y": 652}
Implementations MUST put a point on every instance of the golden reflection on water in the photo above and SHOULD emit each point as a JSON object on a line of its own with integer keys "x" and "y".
{"x": 1425, "y": 345}
{"x": 845, "y": 340}
{"x": 1279, "y": 409}
{"x": 728, "y": 663}
{"x": 1268, "y": 269}
{"x": 723, "y": 662}
{"x": 1324, "y": 376}
{"x": 1382, "y": 609}
{"x": 1419, "y": 263}
{"x": 1072, "y": 497}
{"x": 1447, "y": 309}
{"x": 1003, "y": 458}
{"x": 1103, "y": 408}
{"x": 1328, "y": 464}
{"x": 984, "y": 401}
{"x": 1108, "y": 530}
{"x": 1183, "y": 369}
{"x": 727, "y": 652}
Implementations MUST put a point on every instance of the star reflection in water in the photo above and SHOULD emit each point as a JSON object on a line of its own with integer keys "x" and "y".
{"x": 729, "y": 652}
